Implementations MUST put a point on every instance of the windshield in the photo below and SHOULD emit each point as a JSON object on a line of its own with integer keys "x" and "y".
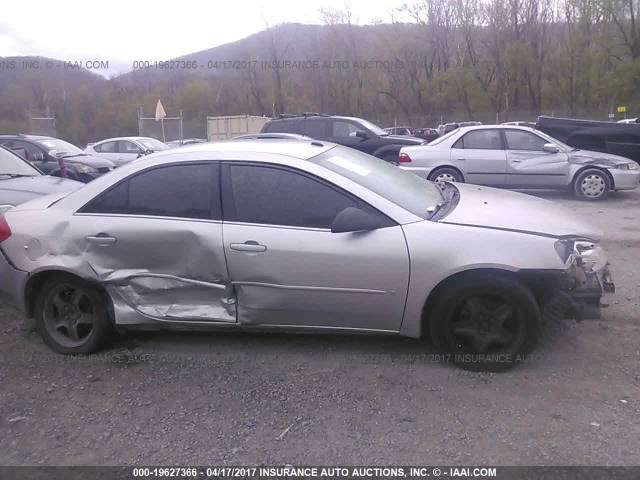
{"x": 153, "y": 144}
{"x": 12, "y": 164}
{"x": 372, "y": 127}
{"x": 62, "y": 148}
{"x": 405, "y": 189}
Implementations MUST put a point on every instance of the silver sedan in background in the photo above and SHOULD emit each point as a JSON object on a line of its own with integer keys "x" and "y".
{"x": 123, "y": 150}
{"x": 519, "y": 157}
{"x": 299, "y": 235}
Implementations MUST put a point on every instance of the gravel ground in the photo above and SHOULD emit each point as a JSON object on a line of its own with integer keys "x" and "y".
{"x": 158, "y": 398}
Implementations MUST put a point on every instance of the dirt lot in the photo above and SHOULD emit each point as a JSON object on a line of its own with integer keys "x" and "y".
{"x": 277, "y": 399}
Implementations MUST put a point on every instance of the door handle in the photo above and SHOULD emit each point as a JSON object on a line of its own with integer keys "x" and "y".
{"x": 516, "y": 161}
{"x": 248, "y": 246}
{"x": 101, "y": 239}
{"x": 461, "y": 159}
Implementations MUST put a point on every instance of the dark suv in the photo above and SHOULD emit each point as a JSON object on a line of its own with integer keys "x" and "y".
{"x": 43, "y": 151}
{"x": 348, "y": 131}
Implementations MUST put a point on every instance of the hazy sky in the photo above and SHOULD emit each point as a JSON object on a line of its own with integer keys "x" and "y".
{"x": 123, "y": 31}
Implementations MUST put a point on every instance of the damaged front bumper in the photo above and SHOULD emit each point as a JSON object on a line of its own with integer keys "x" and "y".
{"x": 579, "y": 298}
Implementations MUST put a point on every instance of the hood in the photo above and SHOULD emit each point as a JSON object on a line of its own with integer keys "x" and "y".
{"x": 89, "y": 160}
{"x": 404, "y": 139}
{"x": 504, "y": 210}
{"x": 587, "y": 157}
{"x": 14, "y": 191}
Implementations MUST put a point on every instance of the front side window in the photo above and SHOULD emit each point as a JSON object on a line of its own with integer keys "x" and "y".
{"x": 185, "y": 191}
{"x": 344, "y": 129}
{"x": 315, "y": 128}
{"x": 29, "y": 150}
{"x": 125, "y": 146}
{"x": 106, "y": 147}
{"x": 480, "y": 140}
{"x": 521, "y": 140}
{"x": 275, "y": 196}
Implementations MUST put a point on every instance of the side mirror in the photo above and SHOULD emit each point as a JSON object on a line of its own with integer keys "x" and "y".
{"x": 353, "y": 219}
{"x": 550, "y": 147}
{"x": 38, "y": 157}
{"x": 361, "y": 134}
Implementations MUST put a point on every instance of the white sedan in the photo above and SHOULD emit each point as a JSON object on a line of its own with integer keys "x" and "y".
{"x": 519, "y": 157}
{"x": 123, "y": 150}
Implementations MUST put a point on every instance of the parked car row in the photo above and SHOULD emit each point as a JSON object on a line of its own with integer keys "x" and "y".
{"x": 477, "y": 270}
{"x": 43, "y": 152}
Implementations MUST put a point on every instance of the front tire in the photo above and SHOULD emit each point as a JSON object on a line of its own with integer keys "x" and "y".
{"x": 592, "y": 184}
{"x": 72, "y": 315}
{"x": 485, "y": 322}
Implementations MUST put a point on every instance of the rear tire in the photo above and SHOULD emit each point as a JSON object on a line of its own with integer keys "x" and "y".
{"x": 592, "y": 184}
{"x": 445, "y": 174}
{"x": 72, "y": 315}
{"x": 485, "y": 322}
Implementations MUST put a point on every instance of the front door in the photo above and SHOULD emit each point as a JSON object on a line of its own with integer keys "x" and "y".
{"x": 287, "y": 267}
{"x": 155, "y": 241}
{"x": 529, "y": 165}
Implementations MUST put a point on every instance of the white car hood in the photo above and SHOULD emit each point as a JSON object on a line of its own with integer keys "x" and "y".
{"x": 504, "y": 210}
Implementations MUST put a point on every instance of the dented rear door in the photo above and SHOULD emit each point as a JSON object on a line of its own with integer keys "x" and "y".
{"x": 155, "y": 241}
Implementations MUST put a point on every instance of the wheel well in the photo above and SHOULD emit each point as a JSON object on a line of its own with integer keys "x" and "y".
{"x": 35, "y": 283}
{"x": 590, "y": 167}
{"x": 539, "y": 282}
{"x": 435, "y": 170}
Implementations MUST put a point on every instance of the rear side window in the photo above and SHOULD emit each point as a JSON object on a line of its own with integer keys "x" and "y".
{"x": 480, "y": 140}
{"x": 283, "y": 126}
{"x": 185, "y": 191}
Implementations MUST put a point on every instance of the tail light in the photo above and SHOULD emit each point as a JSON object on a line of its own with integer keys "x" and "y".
{"x": 5, "y": 231}
{"x": 403, "y": 158}
{"x": 537, "y": 126}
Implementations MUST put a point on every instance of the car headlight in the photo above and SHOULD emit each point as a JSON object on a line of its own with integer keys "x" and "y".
{"x": 85, "y": 169}
{"x": 627, "y": 166}
{"x": 583, "y": 254}
{"x": 5, "y": 207}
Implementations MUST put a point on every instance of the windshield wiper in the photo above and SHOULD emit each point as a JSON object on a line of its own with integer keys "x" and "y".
{"x": 15, "y": 175}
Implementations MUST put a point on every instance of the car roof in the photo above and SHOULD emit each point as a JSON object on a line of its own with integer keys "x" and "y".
{"x": 500, "y": 127}
{"x": 29, "y": 136}
{"x": 314, "y": 115}
{"x": 124, "y": 138}
{"x": 296, "y": 148}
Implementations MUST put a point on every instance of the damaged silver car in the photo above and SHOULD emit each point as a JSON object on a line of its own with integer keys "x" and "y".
{"x": 519, "y": 157}
{"x": 302, "y": 236}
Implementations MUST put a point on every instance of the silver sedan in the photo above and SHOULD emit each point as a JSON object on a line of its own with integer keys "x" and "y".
{"x": 519, "y": 157}
{"x": 300, "y": 235}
